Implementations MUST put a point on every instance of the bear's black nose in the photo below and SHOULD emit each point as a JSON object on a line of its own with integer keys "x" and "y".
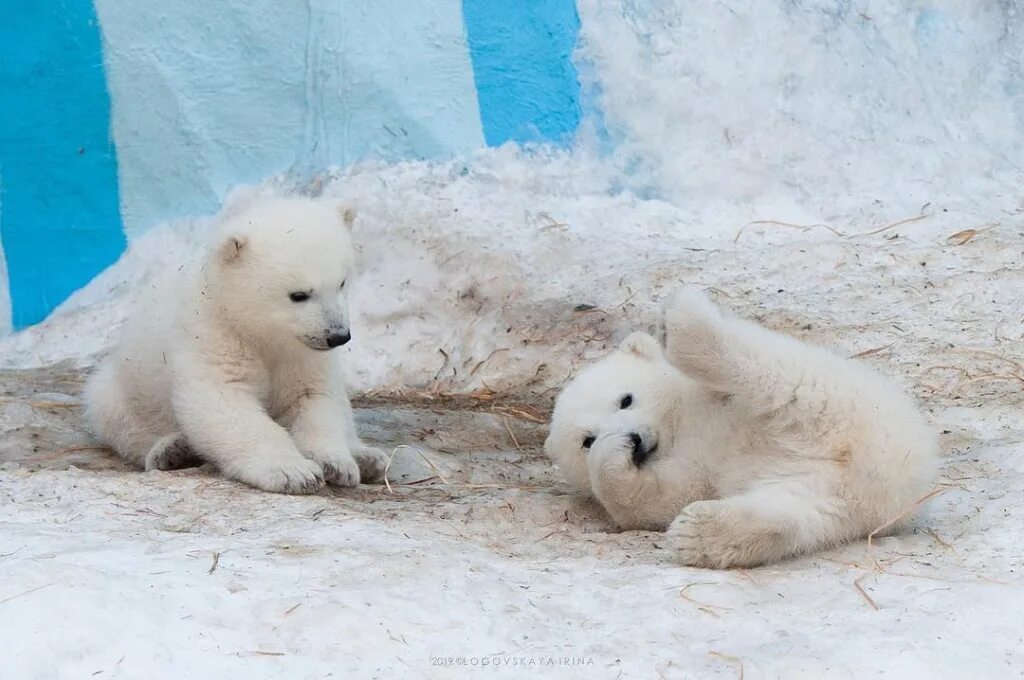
{"x": 338, "y": 339}
{"x": 640, "y": 452}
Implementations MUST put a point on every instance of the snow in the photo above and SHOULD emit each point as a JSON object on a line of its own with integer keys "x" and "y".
{"x": 843, "y": 174}
{"x": 164, "y": 574}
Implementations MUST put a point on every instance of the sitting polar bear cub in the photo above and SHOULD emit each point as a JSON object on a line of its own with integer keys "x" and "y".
{"x": 747, "y": 445}
{"x": 228, "y": 361}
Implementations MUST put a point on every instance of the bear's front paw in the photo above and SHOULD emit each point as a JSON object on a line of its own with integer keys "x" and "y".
{"x": 372, "y": 462}
{"x": 692, "y": 330}
{"x": 339, "y": 467}
{"x": 296, "y": 476}
{"x": 688, "y": 311}
{"x": 708, "y": 534}
{"x": 612, "y": 453}
{"x": 612, "y": 473}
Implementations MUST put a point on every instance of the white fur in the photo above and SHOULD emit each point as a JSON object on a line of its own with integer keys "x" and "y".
{"x": 766, "y": 447}
{"x": 218, "y": 363}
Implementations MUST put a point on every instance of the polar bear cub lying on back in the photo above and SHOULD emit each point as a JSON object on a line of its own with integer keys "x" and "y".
{"x": 228, "y": 360}
{"x": 747, "y": 445}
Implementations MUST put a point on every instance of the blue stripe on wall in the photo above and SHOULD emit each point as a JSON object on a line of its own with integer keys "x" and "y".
{"x": 525, "y": 80}
{"x": 60, "y": 222}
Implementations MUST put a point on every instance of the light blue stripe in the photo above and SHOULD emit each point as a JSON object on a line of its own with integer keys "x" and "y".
{"x": 60, "y": 223}
{"x": 207, "y": 95}
{"x": 522, "y": 63}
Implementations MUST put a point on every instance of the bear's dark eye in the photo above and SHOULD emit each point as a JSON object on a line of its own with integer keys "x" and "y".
{"x": 588, "y": 442}
{"x": 626, "y": 401}
{"x": 342, "y": 286}
{"x": 298, "y": 296}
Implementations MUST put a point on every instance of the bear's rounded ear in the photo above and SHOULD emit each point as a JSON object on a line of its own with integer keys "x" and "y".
{"x": 641, "y": 345}
{"x": 232, "y": 247}
{"x": 347, "y": 214}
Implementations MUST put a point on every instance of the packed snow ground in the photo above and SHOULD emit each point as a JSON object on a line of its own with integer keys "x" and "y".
{"x": 845, "y": 172}
{"x": 160, "y": 574}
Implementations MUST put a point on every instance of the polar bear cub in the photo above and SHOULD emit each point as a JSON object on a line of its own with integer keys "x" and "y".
{"x": 228, "y": 360}
{"x": 748, "y": 446}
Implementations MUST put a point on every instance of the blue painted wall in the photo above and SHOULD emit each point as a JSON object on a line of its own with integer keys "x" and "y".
{"x": 59, "y": 219}
{"x": 522, "y": 63}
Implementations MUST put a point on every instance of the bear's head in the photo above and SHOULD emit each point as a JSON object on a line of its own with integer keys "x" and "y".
{"x": 623, "y": 406}
{"x": 281, "y": 270}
